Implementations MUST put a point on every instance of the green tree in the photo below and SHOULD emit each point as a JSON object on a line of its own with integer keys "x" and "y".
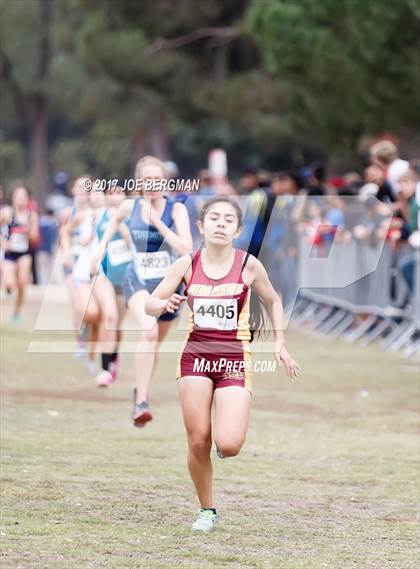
{"x": 352, "y": 67}
{"x": 25, "y": 70}
{"x": 189, "y": 76}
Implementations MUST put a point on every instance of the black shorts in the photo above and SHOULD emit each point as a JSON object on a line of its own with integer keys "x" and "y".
{"x": 14, "y": 257}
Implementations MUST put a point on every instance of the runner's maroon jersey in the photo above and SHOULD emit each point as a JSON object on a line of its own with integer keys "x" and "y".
{"x": 220, "y": 307}
{"x": 218, "y": 331}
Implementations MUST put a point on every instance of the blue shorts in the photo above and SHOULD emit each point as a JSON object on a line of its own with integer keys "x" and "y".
{"x": 115, "y": 274}
{"x": 117, "y": 287}
{"x": 132, "y": 284}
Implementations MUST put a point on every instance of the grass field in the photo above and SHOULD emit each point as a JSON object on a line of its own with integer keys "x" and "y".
{"x": 328, "y": 477}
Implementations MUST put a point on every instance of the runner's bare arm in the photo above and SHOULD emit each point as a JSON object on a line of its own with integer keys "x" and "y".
{"x": 33, "y": 227}
{"x": 6, "y": 214}
{"x": 64, "y": 216}
{"x": 181, "y": 240}
{"x": 64, "y": 236}
{"x": 164, "y": 299}
{"x": 4, "y": 246}
{"x": 114, "y": 224}
{"x": 125, "y": 234}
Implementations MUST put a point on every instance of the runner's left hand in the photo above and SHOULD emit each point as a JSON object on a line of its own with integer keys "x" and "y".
{"x": 283, "y": 358}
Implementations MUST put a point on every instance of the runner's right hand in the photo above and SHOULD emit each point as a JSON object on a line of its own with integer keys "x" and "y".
{"x": 174, "y": 302}
{"x": 67, "y": 262}
{"x": 94, "y": 265}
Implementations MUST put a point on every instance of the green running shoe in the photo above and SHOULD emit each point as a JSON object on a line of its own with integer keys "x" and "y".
{"x": 206, "y": 521}
{"x": 219, "y": 453}
{"x": 141, "y": 412}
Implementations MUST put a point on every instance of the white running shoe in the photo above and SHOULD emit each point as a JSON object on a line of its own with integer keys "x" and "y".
{"x": 81, "y": 350}
{"x": 104, "y": 378}
{"x": 206, "y": 521}
{"x": 91, "y": 367}
{"x": 80, "y": 353}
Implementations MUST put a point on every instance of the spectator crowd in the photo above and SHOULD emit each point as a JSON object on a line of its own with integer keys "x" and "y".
{"x": 378, "y": 203}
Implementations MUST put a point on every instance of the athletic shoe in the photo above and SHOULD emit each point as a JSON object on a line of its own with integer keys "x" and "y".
{"x": 219, "y": 453}
{"x": 141, "y": 412}
{"x": 83, "y": 334}
{"x": 206, "y": 521}
{"x": 104, "y": 378}
{"x": 17, "y": 318}
{"x": 80, "y": 353}
{"x": 91, "y": 367}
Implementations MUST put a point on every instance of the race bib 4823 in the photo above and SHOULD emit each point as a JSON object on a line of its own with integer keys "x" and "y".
{"x": 152, "y": 265}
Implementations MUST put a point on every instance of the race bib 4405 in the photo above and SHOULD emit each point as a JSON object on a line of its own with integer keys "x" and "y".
{"x": 219, "y": 314}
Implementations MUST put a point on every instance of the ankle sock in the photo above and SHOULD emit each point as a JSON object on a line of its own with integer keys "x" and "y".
{"x": 106, "y": 360}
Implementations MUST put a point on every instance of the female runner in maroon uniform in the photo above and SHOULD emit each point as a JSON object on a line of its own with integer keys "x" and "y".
{"x": 22, "y": 230}
{"x": 216, "y": 352}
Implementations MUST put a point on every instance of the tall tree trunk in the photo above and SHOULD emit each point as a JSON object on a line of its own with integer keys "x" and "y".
{"x": 38, "y": 151}
{"x": 158, "y": 136}
{"x": 151, "y": 138}
{"x": 138, "y": 148}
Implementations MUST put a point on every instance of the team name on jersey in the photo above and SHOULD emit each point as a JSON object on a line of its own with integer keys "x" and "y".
{"x": 145, "y": 234}
{"x": 225, "y": 289}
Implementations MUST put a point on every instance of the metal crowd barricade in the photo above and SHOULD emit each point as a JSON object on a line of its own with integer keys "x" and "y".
{"x": 357, "y": 304}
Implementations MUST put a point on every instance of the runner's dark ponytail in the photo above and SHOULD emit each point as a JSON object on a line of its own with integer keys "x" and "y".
{"x": 256, "y": 313}
{"x": 256, "y": 316}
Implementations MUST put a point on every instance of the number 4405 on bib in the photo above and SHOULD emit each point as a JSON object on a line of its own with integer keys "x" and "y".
{"x": 219, "y": 314}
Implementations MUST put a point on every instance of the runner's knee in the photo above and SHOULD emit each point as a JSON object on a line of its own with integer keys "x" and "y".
{"x": 229, "y": 446}
{"x": 151, "y": 335}
{"x": 9, "y": 280}
{"x": 110, "y": 321}
{"x": 91, "y": 315}
{"x": 199, "y": 444}
{"x": 23, "y": 280}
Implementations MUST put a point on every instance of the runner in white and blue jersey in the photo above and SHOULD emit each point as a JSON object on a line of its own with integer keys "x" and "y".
{"x": 108, "y": 287}
{"x": 71, "y": 222}
{"x": 160, "y": 231}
